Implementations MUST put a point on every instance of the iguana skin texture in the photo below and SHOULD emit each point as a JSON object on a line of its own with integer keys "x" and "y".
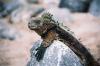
{"x": 49, "y": 31}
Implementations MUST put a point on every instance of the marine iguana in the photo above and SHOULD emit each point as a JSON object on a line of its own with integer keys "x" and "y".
{"x": 51, "y": 30}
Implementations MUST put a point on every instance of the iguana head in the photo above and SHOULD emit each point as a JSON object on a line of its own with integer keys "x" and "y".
{"x": 41, "y": 24}
{"x": 35, "y": 24}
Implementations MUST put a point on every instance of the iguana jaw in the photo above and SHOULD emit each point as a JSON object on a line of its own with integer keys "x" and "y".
{"x": 34, "y": 24}
{"x": 36, "y": 28}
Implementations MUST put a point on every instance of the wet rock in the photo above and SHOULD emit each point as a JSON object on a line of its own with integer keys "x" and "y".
{"x": 23, "y": 13}
{"x": 56, "y": 55}
{"x": 7, "y": 32}
{"x": 75, "y": 5}
{"x": 95, "y": 8}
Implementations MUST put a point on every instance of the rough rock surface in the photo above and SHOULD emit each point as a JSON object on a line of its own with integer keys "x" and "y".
{"x": 95, "y": 8}
{"x": 57, "y": 54}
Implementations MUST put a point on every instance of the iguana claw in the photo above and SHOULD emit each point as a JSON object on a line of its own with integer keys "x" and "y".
{"x": 40, "y": 53}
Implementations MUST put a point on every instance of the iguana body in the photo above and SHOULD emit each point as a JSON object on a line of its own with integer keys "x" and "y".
{"x": 51, "y": 30}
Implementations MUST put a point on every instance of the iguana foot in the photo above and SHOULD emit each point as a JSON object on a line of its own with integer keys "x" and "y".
{"x": 40, "y": 52}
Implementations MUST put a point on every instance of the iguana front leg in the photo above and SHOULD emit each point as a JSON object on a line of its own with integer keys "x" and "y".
{"x": 47, "y": 41}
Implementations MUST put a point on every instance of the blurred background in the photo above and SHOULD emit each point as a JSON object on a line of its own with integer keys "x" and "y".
{"x": 16, "y": 40}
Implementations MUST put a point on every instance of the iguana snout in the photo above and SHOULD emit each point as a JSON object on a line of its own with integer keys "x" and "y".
{"x": 34, "y": 24}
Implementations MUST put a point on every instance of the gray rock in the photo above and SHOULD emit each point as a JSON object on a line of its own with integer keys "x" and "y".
{"x": 3, "y": 13}
{"x": 75, "y": 5}
{"x": 7, "y": 32}
{"x": 95, "y": 8}
{"x": 58, "y": 54}
{"x": 1, "y": 6}
{"x": 11, "y": 5}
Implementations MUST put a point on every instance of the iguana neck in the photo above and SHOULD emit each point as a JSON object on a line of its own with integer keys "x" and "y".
{"x": 44, "y": 29}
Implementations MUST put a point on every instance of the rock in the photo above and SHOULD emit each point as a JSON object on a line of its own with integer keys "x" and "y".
{"x": 57, "y": 54}
{"x": 11, "y": 5}
{"x": 75, "y": 5}
{"x": 23, "y": 13}
{"x": 7, "y": 32}
{"x": 2, "y": 10}
{"x": 95, "y": 8}
{"x": 1, "y": 6}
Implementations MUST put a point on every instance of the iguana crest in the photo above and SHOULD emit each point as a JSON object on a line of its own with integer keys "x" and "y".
{"x": 46, "y": 18}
